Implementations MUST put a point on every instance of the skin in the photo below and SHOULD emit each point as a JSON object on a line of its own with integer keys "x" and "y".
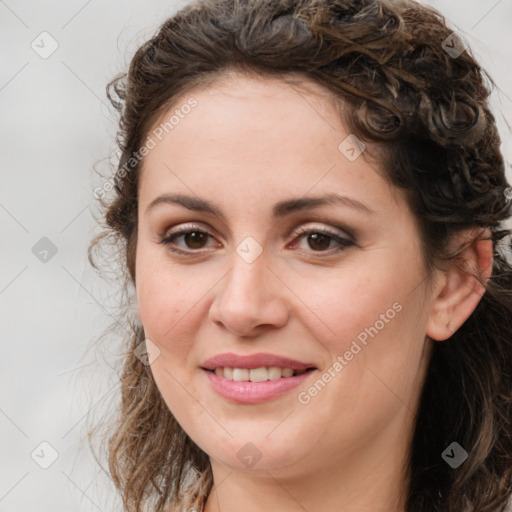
{"x": 249, "y": 143}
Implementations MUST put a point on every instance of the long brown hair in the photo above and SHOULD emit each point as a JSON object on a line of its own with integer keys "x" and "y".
{"x": 402, "y": 87}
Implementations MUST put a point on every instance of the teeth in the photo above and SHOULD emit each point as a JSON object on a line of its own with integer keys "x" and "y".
{"x": 287, "y": 372}
{"x": 255, "y": 374}
{"x": 240, "y": 374}
{"x": 258, "y": 374}
{"x": 274, "y": 373}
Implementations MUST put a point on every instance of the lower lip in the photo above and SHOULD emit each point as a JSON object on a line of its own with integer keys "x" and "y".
{"x": 254, "y": 392}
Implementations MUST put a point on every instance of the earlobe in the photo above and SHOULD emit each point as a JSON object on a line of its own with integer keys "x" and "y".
{"x": 459, "y": 292}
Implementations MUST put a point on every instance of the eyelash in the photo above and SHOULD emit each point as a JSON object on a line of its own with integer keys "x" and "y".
{"x": 168, "y": 239}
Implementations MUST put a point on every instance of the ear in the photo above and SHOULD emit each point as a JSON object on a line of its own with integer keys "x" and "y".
{"x": 457, "y": 292}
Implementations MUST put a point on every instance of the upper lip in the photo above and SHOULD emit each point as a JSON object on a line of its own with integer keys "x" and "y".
{"x": 231, "y": 360}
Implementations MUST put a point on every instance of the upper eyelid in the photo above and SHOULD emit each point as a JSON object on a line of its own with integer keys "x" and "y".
{"x": 329, "y": 229}
{"x": 304, "y": 227}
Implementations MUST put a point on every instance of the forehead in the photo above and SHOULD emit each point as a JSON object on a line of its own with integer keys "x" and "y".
{"x": 251, "y": 104}
{"x": 243, "y": 85}
{"x": 251, "y": 130}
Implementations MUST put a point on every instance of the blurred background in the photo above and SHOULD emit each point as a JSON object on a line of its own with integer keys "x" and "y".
{"x": 55, "y": 125}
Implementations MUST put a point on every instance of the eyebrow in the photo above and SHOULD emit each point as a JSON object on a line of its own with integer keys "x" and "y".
{"x": 280, "y": 209}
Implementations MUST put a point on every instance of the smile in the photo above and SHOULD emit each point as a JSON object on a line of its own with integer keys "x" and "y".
{"x": 261, "y": 374}
{"x": 248, "y": 391}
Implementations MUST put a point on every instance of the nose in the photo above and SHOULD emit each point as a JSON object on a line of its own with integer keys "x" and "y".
{"x": 250, "y": 299}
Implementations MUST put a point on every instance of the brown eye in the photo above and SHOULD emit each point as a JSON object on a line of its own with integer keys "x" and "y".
{"x": 193, "y": 239}
{"x": 319, "y": 241}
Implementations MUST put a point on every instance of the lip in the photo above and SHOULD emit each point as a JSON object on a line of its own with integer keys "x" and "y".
{"x": 247, "y": 392}
{"x": 231, "y": 360}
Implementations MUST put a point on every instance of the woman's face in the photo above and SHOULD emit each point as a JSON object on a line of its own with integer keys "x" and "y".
{"x": 267, "y": 269}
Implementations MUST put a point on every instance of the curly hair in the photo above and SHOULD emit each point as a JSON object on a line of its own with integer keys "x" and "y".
{"x": 427, "y": 110}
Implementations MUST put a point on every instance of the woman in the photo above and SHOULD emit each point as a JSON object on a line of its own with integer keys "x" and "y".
{"x": 268, "y": 370}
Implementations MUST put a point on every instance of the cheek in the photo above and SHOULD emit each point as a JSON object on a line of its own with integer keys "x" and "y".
{"x": 349, "y": 308}
{"x": 163, "y": 306}
{"x": 374, "y": 323}
{"x": 161, "y": 297}
{"x": 171, "y": 299}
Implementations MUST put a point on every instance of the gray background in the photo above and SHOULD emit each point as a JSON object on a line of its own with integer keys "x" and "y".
{"x": 55, "y": 124}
